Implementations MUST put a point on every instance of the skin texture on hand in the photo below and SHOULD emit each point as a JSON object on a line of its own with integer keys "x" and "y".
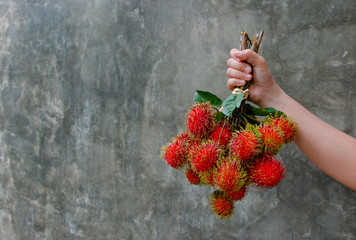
{"x": 239, "y": 72}
{"x": 333, "y": 151}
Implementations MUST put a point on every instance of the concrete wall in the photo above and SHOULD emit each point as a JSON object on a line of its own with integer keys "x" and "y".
{"x": 91, "y": 89}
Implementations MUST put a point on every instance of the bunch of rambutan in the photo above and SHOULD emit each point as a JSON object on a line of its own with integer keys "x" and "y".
{"x": 230, "y": 150}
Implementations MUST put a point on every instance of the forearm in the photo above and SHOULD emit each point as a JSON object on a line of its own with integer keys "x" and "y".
{"x": 330, "y": 149}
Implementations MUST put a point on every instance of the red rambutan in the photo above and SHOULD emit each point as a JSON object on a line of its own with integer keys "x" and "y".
{"x": 238, "y": 194}
{"x": 200, "y": 119}
{"x": 175, "y": 154}
{"x": 288, "y": 126}
{"x": 267, "y": 172}
{"x": 245, "y": 145}
{"x": 207, "y": 177}
{"x": 183, "y": 137}
{"x": 204, "y": 156}
{"x": 229, "y": 176}
{"x": 222, "y": 205}
{"x": 221, "y": 135}
{"x": 272, "y": 138}
{"x": 192, "y": 176}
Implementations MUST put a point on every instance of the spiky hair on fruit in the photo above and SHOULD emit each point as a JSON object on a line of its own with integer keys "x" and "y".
{"x": 238, "y": 194}
{"x": 229, "y": 176}
{"x": 200, "y": 119}
{"x": 267, "y": 172}
{"x": 192, "y": 176}
{"x": 175, "y": 154}
{"x": 207, "y": 177}
{"x": 221, "y": 135}
{"x": 272, "y": 138}
{"x": 222, "y": 205}
{"x": 183, "y": 137}
{"x": 287, "y": 125}
{"x": 245, "y": 144}
{"x": 204, "y": 156}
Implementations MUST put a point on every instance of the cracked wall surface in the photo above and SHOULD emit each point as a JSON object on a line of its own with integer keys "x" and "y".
{"x": 90, "y": 91}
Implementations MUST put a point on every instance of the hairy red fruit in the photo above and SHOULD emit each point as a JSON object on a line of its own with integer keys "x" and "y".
{"x": 238, "y": 194}
{"x": 222, "y": 205}
{"x": 221, "y": 135}
{"x": 245, "y": 145}
{"x": 207, "y": 177}
{"x": 229, "y": 176}
{"x": 267, "y": 172}
{"x": 200, "y": 120}
{"x": 272, "y": 138}
{"x": 193, "y": 147}
{"x": 183, "y": 137}
{"x": 203, "y": 157}
{"x": 288, "y": 127}
{"x": 175, "y": 154}
{"x": 192, "y": 176}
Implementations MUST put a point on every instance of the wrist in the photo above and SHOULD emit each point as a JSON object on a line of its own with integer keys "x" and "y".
{"x": 275, "y": 98}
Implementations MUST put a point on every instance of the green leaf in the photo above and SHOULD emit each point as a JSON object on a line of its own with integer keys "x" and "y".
{"x": 219, "y": 116}
{"x": 202, "y": 96}
{"x": 251, "y": 110}
{"x": 231, "y": 103}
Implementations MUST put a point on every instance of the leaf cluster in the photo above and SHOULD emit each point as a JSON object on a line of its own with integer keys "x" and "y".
{"x": 235, "y": 108}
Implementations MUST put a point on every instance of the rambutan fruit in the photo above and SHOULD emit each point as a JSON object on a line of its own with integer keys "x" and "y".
{"x": 222, "y": 205}
{"x": 200, "y": 119}
{"x": 267, "y": 172}
{"x": 192, "y": 176}
{"x": 221, "y": 135}
{"x": 175, "y": 154}
{"x": 288, "y": 126}
{"x": 272, "y": 138}
{"x": 204, "y": 156}
{"x": 245, "y": 144}
{"x": 229, "y": 176}
{"x": 238, "y": 194}
{"x": 207, "y": 177}
{"x": 183, "y": 137}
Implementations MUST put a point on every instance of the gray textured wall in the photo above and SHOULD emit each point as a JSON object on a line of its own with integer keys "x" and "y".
{"x": 91, "y": 89}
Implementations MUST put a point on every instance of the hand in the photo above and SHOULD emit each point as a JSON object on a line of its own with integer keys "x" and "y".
{"x": 263, "y": 87}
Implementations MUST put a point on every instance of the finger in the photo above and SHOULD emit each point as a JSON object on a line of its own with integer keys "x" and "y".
{"x": 232, "y": 83}
{"x": 233, "y": 73}
{"x": 249, "y": 56}
{"x": 233, "y": 55}
{"x": 244, "y": 67}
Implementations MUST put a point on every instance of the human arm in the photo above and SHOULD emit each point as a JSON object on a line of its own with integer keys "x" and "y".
{"x": 330, "y": 149}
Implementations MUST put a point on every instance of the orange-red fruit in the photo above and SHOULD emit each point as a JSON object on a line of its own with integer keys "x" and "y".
{"x": 238, "y": 194}
{"x": 192, "y": 176}
{"x": 288, "y": 127}
{"x": 204, "y": 156}
{"x": 183, "y": 137}
{"x": 207, "y": 177}
{"x": 267, "y": 172}
{"x": 229, "y": 176}
{"x": 175, "y": 154}
{"x": 222, "y": 205}
{"x": 221, "y": 135}
{"x": 245, "y": 145}
{"x": 272, "y": 138}
{"x": 200, "y": 120}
